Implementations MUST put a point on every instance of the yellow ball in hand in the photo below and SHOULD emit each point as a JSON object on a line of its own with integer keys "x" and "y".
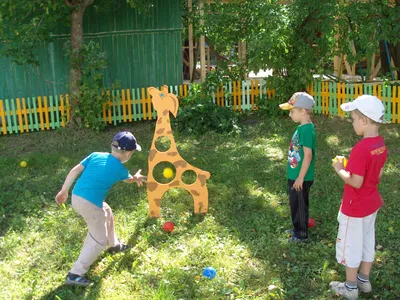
{"x": 341, "y": 158}
{"x": 168, "y": 173}
{"x": 23, "y": 164}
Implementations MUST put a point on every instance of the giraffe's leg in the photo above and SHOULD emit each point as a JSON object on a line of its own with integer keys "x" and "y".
{"x": 154, "y": 204}
{"x": 200, "y": 199}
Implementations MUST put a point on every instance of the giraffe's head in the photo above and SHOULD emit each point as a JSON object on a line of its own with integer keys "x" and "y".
{"x": 162, "y": 100}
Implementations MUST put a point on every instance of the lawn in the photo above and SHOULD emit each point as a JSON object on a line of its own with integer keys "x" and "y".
{"x": 242, "y": 236}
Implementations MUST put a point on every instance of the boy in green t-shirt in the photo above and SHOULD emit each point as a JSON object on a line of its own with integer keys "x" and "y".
{"x": 300, "y": 167}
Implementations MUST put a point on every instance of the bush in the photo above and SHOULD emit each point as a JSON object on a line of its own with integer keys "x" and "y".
{"x": 270, "y": 107}
{"x": 198, "y": 114}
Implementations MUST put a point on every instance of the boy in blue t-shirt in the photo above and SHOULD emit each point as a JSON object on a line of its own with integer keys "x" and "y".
{"x": 300, "y": 166}
{"x": 98, "y": 173}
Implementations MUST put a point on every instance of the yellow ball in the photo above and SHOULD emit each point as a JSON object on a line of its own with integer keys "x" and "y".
{"x": 23, "y": 164}
{"x": 341, "y": 158}
{"x": 168, "y": 173}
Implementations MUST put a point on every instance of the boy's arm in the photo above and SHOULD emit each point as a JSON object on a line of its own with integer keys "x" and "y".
{"x": 62, "y": 195}
{"x": 138, "y": 178}
{"x": 353, "y": 180}
{"x": 298, "y": 184}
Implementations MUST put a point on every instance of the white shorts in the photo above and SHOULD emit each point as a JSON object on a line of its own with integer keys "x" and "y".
{"x": 356, "y": 240}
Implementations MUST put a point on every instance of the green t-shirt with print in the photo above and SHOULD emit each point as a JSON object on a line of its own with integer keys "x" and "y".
{"x": 303, "y": 137}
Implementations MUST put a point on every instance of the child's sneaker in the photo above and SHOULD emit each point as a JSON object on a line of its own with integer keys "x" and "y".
{"x": 340, "y": 289}
{"x": 289, "y": 231}
{"x": 73, "y": 279}
{"x": 295, "y": 239}
{"x": 119, "y": 248}
{"x": 364, "y": 287}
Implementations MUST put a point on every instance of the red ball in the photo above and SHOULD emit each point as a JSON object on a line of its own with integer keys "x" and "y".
{"x": 168, "y": 226}
{"x": 311, "y": 223}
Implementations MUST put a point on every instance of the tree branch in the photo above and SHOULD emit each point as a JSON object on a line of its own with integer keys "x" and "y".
{"x": 68, "y": 3}
{"x": 88, "y": 2}
{"x": 218, "y": 56}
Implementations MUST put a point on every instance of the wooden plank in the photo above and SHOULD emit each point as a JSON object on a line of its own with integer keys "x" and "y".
{"x": 30, "y": 111}
{"x": 67, "y": 104}
{"x": 14, "y": 116}
{"x": 62, "y": 111}
{"x": 134, "y": 103}
{"x": 233, "y": 95}
{"x": 8, "y": 115}
{"x": 129, "y": 104}
{"x": 143, "y": 102}
{"x": 139, "y": 104}
{"x": 36, "y": 114}
{"x": 149, "y": 106}
{"x": 25, "y": 114}
{"x": 230, "y": 93}
{"x": 119, "y": 104}
{"x": 252, "y": 94}
{"x": 51, "y": 110}
{"x": 396, "y": 112}
{"x": 18, "y": 112}
{"x": 3, "y": 117}
{"x": 109, "y": 108}
{"x": 243, "y": 94}
{"x": 114, "y": 110}
{"x": 123, "y": 104}
{"x": 57, "y": 112}
{"x": 46, "y": 111}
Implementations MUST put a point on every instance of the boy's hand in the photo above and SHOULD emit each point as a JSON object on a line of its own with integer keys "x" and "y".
{"x": 139, "y": 178}
{"x": 338, "y": 164}
{"x": 61, "y": 197}
{"x": 298, "y": 184}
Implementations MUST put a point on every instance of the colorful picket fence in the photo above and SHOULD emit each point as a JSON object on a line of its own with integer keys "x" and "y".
{"x": 129, "y": 105}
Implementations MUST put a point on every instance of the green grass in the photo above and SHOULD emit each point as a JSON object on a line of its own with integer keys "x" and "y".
{"x": 241, "y": 236}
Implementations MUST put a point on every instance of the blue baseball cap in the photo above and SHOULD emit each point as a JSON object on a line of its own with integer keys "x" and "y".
{"x": 125, "y": 140}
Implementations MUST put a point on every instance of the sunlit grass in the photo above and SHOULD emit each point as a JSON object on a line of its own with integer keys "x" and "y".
{"x": 242, "y": 236}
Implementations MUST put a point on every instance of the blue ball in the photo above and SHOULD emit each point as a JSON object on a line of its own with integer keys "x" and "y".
{"x": 209, "y": 272}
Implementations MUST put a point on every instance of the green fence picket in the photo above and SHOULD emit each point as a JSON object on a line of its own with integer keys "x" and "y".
{"x": 36, "y": 114}
{"x": 51, "y": 110}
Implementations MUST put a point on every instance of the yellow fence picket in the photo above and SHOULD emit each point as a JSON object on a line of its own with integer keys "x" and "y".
{"x": 40, "y": 111}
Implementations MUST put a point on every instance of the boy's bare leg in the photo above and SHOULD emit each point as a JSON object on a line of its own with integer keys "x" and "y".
{"x": 365, "y": 268}
{"x": 351, "y": 274}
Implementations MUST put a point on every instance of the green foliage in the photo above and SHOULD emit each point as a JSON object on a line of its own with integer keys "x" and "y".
{"x": 269, "y": 107}
{"x": 198, "y": 114}
{"x": 93, "y": 93}
{"x": 298, "y": 39}
{"x": 26, "y": 24}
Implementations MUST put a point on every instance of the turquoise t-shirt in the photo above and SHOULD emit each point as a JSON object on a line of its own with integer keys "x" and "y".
{"x": 303, "y": 137}
{"x": 102, "y": 171}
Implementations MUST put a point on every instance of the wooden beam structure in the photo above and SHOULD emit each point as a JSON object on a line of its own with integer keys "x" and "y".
{"x": 202, "y": 45}
{"x": 191, "y": 48}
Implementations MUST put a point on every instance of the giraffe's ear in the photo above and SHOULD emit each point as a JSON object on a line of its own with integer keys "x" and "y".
{"x": 152, "y": 91}
{"x": 164, "y": 89}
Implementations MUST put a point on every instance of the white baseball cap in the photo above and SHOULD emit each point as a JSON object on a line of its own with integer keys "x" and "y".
{"x": 369, "y": 106}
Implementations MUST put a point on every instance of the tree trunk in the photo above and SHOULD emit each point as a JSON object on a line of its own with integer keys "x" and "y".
{"x": 75, "y": 74}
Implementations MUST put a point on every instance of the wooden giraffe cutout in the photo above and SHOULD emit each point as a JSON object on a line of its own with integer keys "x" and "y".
{"x": 165, "y": 103}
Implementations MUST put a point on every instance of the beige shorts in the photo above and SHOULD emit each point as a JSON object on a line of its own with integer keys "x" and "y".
{"x": 356, "y": 240}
